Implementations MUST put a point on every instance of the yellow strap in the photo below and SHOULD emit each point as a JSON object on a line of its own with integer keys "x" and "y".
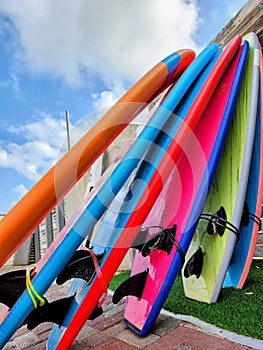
{"x": 32, "y": 292}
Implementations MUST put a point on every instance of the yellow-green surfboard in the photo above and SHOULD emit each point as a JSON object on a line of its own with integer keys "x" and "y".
{"x": 213, "y": 243}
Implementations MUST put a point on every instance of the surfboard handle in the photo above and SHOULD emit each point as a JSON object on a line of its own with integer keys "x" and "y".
{"x": 134, "y": 285}
{"x": 217, "y": 223}
{"x": 247, "y": 216}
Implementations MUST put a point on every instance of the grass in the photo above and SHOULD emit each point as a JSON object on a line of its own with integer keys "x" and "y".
{"x": 239, "y": 311}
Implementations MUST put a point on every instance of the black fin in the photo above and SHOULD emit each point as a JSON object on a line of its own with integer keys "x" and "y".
{"x": 96, "y": 313}
{"x": 141, "y": 238}
{"x": 55, "y": 312}
{"x": 134, "y": 285}
{"x": 79, "y": 266}
{"x": 163, "y": 240}
{"x": 247, "y": 216}
{"x": 195, "y": 264}
{"x": 217, "y": 224}
{"x": 12, "y": 285}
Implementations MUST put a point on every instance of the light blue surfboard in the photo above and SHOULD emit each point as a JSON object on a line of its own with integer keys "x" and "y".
{"x": 101, "y": 201}
{"x": 118, "y": 214}
{"x": 182, "y": 202}
{"x": 250, "y": 222}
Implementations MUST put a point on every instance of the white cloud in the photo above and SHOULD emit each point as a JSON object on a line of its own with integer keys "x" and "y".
{"x": 107, "y": 98}
{"x": 44, "y": 141}
{"x": 21, "y": 190}
{"x": 111, "y": 39}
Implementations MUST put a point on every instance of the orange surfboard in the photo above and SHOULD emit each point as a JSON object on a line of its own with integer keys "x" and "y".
{"x": 28, "y": 213}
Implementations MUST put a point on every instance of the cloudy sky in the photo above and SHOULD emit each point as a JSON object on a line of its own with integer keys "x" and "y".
{"x": 81, "y": 56}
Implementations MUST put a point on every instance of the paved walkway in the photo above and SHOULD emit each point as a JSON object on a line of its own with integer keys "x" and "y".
{"x": 108, "y": 332}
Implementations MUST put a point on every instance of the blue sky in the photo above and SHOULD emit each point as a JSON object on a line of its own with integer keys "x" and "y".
{"x": 81, "y": 56}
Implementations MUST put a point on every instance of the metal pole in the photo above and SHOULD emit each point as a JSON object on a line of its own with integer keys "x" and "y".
{"x": 67, "y": 124}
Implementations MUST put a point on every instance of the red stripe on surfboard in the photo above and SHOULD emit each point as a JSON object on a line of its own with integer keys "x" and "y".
{"x": 155, "y": 186}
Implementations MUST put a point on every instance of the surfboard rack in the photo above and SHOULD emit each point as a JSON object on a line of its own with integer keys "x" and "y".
{"x": 195, "y": 264}
{"x": 12, "y": 285}
{"x": 247, "y": 216}
{"x": 134, "y": 285}
{"x": 217, "y": 223}
{"x": 81, "y": 265}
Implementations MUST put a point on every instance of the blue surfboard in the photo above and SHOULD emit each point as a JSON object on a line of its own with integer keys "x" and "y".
{"x": 191, "y": 182}
{"x": 241, "y": 260}
{"x": 119, "y": 213}
{"x": 43, "y": 278}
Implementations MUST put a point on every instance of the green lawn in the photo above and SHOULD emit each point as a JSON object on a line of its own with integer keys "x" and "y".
{"x": 240, "y": 311}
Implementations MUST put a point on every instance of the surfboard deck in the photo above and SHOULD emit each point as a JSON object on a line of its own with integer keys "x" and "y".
{"x": 214, "y": 239}
{"x": 131, "y": 223}
{"x": 75, "y": 232}
{"x": 174, "y": 207}
{"x": 121, "y": 235}
{"x": 250, "y": 223}
{"x": 27, "y": 214}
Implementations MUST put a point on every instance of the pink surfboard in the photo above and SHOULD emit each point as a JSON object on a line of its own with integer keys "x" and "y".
{"x": 180, "y": 204}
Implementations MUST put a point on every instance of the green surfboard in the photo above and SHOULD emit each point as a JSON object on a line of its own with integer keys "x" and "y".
{"x": 213, "y": 243}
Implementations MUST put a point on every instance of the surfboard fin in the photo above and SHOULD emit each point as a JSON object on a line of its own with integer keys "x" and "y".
{"x": 141, "y": 238}
{"x": 247, "y": 216}
{"x": 12, "y": 285}
{"x": 97, "y": 311}
{"x": 217, "y": 222}
{"x": 134, "y": 285}
{"x": 55, "y": 312}
{"x": 195, "y": 264}
{"x": 81, "y": 265}
{"x": 163, "y": 240}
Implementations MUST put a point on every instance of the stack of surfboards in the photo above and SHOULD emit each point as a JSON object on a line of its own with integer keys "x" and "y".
{"x": 186, "y": 194}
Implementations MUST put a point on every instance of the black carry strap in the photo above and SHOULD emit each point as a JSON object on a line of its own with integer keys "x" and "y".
{"x": 217, "y": 223}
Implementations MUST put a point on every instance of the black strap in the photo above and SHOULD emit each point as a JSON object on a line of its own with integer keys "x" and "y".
{"x": 217, "y": 223}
